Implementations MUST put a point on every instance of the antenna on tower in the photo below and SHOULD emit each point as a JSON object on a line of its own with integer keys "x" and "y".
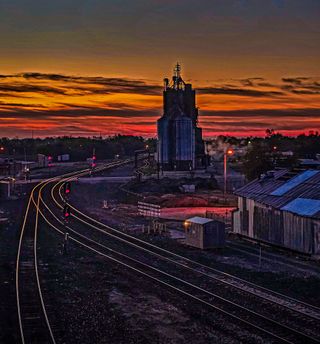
{"x": 177, "y": 80}
{"x": 177, "y": 70}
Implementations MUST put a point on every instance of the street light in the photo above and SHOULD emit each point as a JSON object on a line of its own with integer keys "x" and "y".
{"x": 227, "y": 153}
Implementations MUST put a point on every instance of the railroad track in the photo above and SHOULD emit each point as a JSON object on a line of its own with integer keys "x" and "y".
{"x": 290, "y": 263}
{"x": 290, "y": 303}
{"x": 275, "y": 329}
{"x": 32, "y": 314}
{"x": 34, "y": 324}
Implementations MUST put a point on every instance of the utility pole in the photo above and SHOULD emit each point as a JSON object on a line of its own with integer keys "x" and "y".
{"x": 93, "y": 161}
{"x": 26, "y": 169}
{"x": 225, "y": 160}
{"x": 65, "y": 243}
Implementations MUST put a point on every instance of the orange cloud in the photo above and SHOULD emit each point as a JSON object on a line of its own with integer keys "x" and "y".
{"x": 54, "y": 104}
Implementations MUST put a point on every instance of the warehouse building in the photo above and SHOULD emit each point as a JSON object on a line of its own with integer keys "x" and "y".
{"x": 180, "y": 144}
{"x": 281, "y": 208}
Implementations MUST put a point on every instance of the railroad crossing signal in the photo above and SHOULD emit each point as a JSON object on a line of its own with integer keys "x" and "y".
{"x": 66, "y": 211}
{"x": 93, "y": 159}
{"x": 50, "y": 161}
{"x": 67, "y": 188}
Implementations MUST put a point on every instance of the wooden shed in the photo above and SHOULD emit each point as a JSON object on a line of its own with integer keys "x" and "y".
{"x": 204, "y": 233}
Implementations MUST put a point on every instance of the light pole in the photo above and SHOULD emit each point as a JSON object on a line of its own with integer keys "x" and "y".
{"x": 227, "y": 153}
{"x": 148, "y": 150}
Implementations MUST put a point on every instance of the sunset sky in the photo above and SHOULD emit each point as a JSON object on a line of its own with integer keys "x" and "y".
{"x": 87, "y": 67}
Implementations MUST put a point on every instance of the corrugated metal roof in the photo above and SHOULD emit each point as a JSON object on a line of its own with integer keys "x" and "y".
{"x": 308, "y": 189}
{"x": 259, "y": 188}
{"x": 303, "y": 206}
{"x": 292, "y": 183}
{"x": 199, "y": 220}
{"x": 262, "y": 191}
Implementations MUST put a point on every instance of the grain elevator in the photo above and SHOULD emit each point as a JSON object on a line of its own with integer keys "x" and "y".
{"x": 180, "y": 144}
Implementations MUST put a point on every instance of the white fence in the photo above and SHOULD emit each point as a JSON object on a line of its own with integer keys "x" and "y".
{"x": 149, "y": 209}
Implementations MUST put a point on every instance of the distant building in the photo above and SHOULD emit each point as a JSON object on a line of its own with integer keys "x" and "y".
{"x": 180, "y": 144}
{"x": 282, "y": 208}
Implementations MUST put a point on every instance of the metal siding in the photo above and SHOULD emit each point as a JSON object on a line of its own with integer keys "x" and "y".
{"x": 184, "y": 139}
{"x": 236, "y": 221}
{"x": 208, "y": 235}
{"x": 194, "y": 235}
{"x": 240, "y": 205}
{"x": 268, "y": 224}
{"x": 163, "y": 135}
{"x": 316, "y": 235}
{"x": 250, "y": 208}
{"x": 214, "y": 234}
{"x": 298, "y": 233}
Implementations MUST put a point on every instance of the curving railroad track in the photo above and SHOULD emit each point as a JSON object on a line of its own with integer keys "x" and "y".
{"x": 270, "y": 315}
{"x": 33, "y": 318}
{"x": 260, "y": 311}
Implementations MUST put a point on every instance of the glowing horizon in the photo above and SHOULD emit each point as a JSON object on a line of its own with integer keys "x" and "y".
{"x": 56, "y": 105}
{"x": 97, "y": 66}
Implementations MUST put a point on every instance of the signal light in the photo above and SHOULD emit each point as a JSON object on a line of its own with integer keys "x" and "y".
{"x": 67, "y": 187}
{"x": 93, "y": 164}
{"x": 229, "y": 151}
{"x": 49, "y": 160}
{"x": 66, "y": 211}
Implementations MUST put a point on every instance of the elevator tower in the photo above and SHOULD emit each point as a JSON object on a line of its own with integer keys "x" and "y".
{"x": 180, "y": 144}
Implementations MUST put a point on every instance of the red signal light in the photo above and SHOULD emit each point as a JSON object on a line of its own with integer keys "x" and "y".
{"x": 67, "y": 188}
{"x": 66, "y": 211}
{"x": 229, "y": 151}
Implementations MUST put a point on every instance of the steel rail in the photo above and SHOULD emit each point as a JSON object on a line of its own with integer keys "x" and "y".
{"x": 185, "y": 282}
{"x": 273, "y": 335}
{"x": 35, "y": 258}
{"x": 275, "y": 294}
